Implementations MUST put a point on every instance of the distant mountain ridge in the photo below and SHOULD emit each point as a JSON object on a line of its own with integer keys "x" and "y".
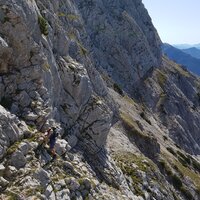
{"x": 179, "y": 56}
{"x": 186, "y": 46}
{"x": 194, "y": 52}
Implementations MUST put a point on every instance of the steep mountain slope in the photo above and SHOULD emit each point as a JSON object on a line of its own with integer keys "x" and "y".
{"x": 121, "y": 33}
{"x": 173, "y": 94}
{"x": 194, "y": 52}
{"x": 192, "y": 64}
{"x": 127, "y": 117}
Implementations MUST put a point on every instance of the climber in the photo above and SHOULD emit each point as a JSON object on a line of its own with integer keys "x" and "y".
{"x": 50, "y": 138}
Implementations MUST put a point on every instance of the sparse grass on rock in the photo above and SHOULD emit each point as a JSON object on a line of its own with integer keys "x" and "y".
{"x": 43, "y": 25}
{"x": 161, "y": 77}
{"x": 127, "y": 162}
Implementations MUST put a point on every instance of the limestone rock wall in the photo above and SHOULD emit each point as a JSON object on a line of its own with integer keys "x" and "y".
{"x": 40, "y": 82}
{"x": 172, "y": 93}
{"x": 11, "y": 130}
{"x": 121, "y": 39}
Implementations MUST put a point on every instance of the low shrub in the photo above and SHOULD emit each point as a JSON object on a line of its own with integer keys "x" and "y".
{"x": 142, "y": 114}
{"x": 165, "y": 137}
{"x": 185, "y": 160}
{"x": 171, "y": 151}
{"x": 117, "y": 89}
{"x": 43, "y": 25}
{"x": 176, "y": 181}
{"x": 165, "y": 167}
{"x": 196, "y": 165}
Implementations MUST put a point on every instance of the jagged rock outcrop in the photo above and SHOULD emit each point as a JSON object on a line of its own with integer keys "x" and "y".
{"x": 63, "y": 63}
{"x": 173, "y": 92}
{"x": 11, "y": 130}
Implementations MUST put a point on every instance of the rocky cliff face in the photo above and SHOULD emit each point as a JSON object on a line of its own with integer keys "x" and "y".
{"x": 77, "y": 64}
{"x": 121, "y": 33}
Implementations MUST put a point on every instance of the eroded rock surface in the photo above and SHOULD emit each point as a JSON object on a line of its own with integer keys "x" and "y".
{"x": 77, "y": 65}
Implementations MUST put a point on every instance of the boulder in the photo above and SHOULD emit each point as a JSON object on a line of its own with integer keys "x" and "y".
{"x": 42, "y": 176}
{"x": 63, "y": 194}
{"x": 61, "y": 146}
{"x": 24, "y": 147}
{"x": 74, "y": 185}
{"x": 10, "y": 172}
{"x": 18, "y": 159}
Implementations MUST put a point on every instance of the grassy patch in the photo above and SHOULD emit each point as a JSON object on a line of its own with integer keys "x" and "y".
{"x": 181, "y": 70}
{"x": 72, "y": 17}
{"x": 46, "y": 66}
{"x": 61, "y": 14}
{"x": 13, "y": 148}
{"x": 185, "y": 160}
{"x": 130, "y": 125}
{"x": 126, "y": 162}
{"x": 161, "y": 78}
{"x": 11, "y": 195}
{"x": 35, "y": 137}
{"x": 185, "y": 171}
{"x": 129, "y": 100}
{"x": 43, "y": 25}
{"x": 31, "y": 128}
{"x": 72, "y": 35}
{"x": 32, "y": 191}
{"x": 165, "y": 167}
{"x": 82, "y": 50}
{"x": 161, "y": 102}
{"x": 58, "y": 177}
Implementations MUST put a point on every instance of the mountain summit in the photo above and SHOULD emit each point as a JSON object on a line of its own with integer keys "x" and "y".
{"x": 126, "y": 116}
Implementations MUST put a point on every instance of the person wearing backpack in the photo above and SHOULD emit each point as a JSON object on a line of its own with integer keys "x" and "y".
{"x": 51, "y": 137}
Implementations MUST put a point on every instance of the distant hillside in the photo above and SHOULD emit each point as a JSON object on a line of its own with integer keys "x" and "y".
{"x": 192, "y": 64}
{"x": 186, "y": 46}
{"x": 194, "y": 52}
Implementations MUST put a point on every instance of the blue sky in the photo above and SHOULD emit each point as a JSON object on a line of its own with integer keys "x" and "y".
{"x": 177, "y": 21}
